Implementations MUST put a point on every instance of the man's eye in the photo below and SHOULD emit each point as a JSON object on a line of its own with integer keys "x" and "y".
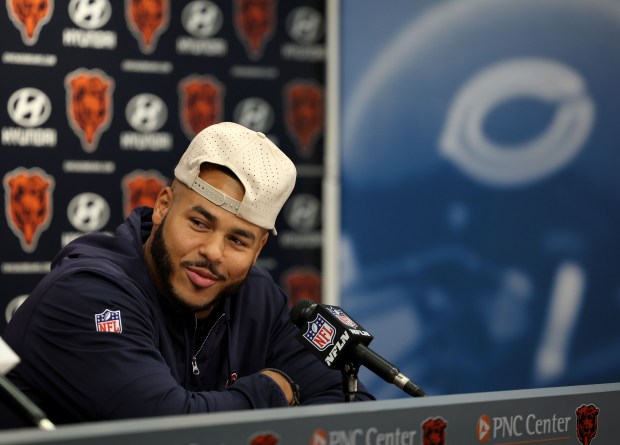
{"x": 238, "y": 241}
{"x": 198, "y": 223}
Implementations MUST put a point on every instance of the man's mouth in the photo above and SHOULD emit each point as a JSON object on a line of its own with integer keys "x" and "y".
{"x": 201, "y": 277}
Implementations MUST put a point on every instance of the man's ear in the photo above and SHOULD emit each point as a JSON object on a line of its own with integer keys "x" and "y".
{"x": 162, "y": 205}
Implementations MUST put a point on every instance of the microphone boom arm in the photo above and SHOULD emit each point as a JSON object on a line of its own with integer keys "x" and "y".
{"x": 385, "y": 370}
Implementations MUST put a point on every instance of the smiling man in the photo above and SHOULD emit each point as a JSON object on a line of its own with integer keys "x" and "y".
{"x": 170, "y": 315}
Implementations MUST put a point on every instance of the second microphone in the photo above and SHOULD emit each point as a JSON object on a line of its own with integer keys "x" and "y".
{"x": 336, "y": 339}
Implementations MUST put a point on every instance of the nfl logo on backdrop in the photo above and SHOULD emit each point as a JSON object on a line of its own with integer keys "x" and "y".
{"x": 109, "y": 321}
{"x": 320, "y": 333}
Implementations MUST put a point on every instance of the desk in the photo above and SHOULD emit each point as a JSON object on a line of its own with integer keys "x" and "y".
{"x": 525, "y": 417}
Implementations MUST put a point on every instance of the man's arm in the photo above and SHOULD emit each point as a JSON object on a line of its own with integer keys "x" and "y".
{"x": 82, "y": 374}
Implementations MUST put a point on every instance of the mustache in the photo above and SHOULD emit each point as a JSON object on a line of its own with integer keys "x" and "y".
{"x": 208, "y": 265}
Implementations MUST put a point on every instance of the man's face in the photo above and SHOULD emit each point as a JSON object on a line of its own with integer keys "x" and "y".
{"x": 199, "y": 252}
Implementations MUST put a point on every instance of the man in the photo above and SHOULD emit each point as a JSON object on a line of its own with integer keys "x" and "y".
{"x": 170, "y": 316}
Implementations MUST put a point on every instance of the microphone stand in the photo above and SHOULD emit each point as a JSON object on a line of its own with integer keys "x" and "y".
{"x": 349, "y": 381}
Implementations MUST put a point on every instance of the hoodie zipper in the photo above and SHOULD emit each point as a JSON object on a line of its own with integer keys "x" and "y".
{"x": 195, "y": 369}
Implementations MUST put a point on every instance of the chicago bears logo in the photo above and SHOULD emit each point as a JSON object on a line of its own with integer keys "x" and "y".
{"x": 147, "y": 20}
{"x": 587, "y": 423}
{"x": 264, "y": 439}
{"x": 89, "y": 105}
{"x": 201, "y": 103}
{"x": 140, "y": 188}
{"x": 29, "y": 16}
{"x": 28, "y": 204}
{"x": 302, "y": 284}
{"x": 255, "y": 23}
{"x": 434, "y": 431}
{"x": 304, "y": 108}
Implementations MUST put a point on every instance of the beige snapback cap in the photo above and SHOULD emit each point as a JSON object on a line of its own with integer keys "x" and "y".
{"x": 266, "y": 173}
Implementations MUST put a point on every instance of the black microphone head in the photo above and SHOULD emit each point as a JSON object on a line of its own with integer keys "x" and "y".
{"x": 301, "y": 311}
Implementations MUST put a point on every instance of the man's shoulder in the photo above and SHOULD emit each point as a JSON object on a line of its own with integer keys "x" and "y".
{"x": 89, "y": 268}
{"x": 85, "y": 280}
{"x": 99, "y": 254}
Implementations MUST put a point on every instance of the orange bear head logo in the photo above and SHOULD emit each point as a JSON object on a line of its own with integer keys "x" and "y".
{"x": 587, "y": 423}
{"x": 267, "y": 438}
{"x": 28, "y": 204}
{"x": 302, "y": 284}
{"x": 304, "y": 107}
{"x": 147, "y": 20}
{"x": 201, "y": 103}
{"x": 89, "y": 105}
{"x": 141, "y": 188}
{"x": 255, "y": 23}
{"x": 29, "y": 16}
{"x": 434, "y": 432}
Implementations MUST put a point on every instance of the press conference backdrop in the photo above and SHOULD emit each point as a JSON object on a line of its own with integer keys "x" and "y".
{"x": 100, "y": 98}
{"x": 480, "y": 194}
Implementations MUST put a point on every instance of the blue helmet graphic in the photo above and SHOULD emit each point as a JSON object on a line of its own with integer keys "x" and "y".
{"x": 480, "y": 195}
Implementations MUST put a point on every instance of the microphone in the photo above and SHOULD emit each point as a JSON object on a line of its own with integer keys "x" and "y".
{"x": 336, "y": 339}
{"x": 15, "y": 398}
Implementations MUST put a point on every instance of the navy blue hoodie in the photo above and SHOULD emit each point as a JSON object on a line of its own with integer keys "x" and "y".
{"x": 75, "y": 371}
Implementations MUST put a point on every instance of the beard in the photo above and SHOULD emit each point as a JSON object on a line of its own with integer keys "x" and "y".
{"x": 163, "y": 268}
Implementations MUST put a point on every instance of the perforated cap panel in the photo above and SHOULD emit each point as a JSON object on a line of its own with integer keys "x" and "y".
{"x": 267, "y": 174}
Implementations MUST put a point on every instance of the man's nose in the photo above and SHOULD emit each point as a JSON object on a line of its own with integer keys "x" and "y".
{"x": 212, "y": 247}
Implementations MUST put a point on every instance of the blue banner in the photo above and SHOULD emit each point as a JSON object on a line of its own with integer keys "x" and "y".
{"x": 480, "y": 190}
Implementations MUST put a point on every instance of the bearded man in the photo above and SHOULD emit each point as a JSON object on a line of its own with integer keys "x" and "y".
{"x": 170, "y": 315}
